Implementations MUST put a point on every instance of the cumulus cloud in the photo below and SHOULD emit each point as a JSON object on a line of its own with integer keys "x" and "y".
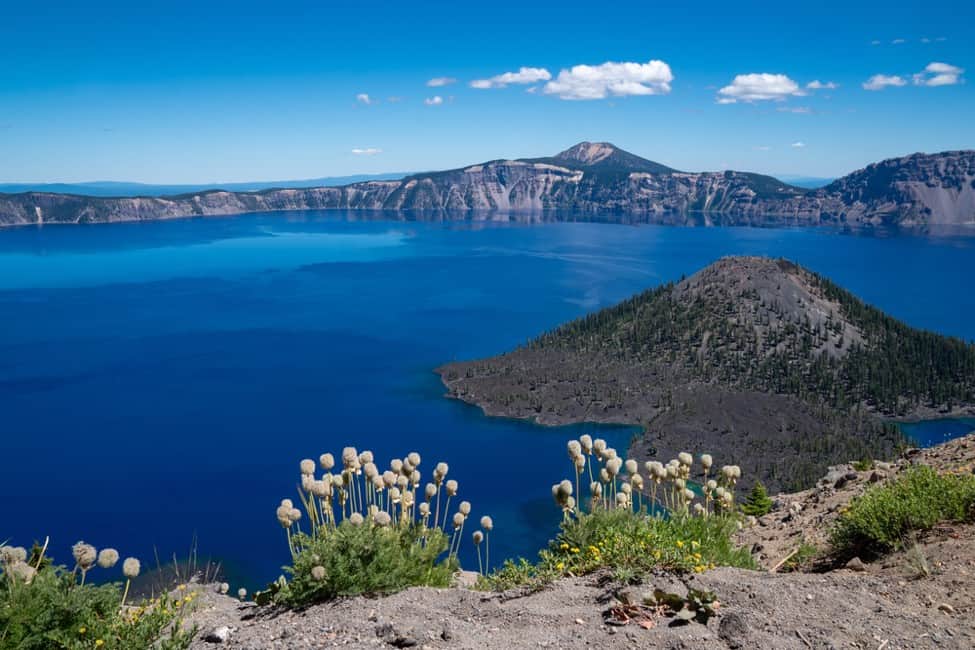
{"x": 611, "y": 79}
{"x": 523, "y": 76}
{"x": 436, "y": 100}
{"x": 821, "y": 85}
{"x": 939, "y": 74}
{"x": 438, "y": 82}
{"x": 758, "y": 86}
{"x": 881, "y": 81}
{"x": 369, "y": 151}
{"x": 798, "y": 145}
{"x": 363, "y": 98}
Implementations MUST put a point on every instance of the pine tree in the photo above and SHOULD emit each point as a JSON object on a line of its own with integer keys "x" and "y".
{"x": 758, "y": 502}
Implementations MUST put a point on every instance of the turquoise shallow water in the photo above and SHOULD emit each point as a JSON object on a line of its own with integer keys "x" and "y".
{"x": 163, "y": 379}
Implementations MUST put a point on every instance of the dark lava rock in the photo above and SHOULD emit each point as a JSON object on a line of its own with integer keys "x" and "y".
{"x": 733, "y": 630}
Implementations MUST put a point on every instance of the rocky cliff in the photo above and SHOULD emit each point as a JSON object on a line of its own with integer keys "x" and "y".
{"x": 586, "y": 180}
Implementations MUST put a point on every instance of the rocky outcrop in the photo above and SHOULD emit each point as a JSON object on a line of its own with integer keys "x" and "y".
{"x": 587, "y": 180}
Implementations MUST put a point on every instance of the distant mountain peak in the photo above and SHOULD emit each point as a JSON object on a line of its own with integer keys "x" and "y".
{"x": 589, "y": 153}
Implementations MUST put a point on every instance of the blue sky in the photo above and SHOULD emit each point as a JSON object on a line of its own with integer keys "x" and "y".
{"x": 174, "y": 92}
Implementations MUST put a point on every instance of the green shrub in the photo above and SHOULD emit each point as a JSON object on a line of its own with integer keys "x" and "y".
{"x": 370, "y": 531}
{"x": 366, "y": 558}
{"x": 758, "y": 502}
{"x": 882, "y": 518}
{"x": 52, "y": 611}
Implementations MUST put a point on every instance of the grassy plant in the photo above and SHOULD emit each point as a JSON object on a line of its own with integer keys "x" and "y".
{"x": 801, "y": 558}
{"x": 45, "y": 607}
{"x": 370, "y": 531}
{"x": 612, "y": 526}
{"x": 882, "y": 518}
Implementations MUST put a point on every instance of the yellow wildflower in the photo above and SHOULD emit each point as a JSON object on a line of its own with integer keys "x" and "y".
{"x": 680, "y": 544}
{"x": 560, "y": 566}
{"x": 99, "y": 643}
{"x": 82, "y": 629}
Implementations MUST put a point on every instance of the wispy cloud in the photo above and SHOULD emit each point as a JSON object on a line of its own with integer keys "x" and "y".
{"x": 369, "y": 151}
{"x": 762, "y": 147}
{"x": 822, "y": 85}
{"x": 799, "y": 110}
{"x": 524, "y": 75}
{"x": 881, "y": 81}
{"x": 939, "y": 74}
{"x": 798, "y": 145}
{"x": 364, "y": 98}
{"x": 438, "y": 82}
{"x": 611, "y": 79}
{"x": 436, "y": 100}
{"x": 759, "y": 86}
{"x": 898, "y": 41}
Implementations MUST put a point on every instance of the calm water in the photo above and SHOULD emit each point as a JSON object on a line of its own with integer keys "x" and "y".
{"x": 163, "y": 379}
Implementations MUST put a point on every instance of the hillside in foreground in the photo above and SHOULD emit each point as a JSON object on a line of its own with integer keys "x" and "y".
{"x": 757, "y": 360}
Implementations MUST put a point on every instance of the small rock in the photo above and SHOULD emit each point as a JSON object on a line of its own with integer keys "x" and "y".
{"x": 579, "y": 621}
{"x": 876, "y": 477}
{"x": 466, "y": 578}
{"x": 732, "y": 630}
{"x": 396, "y": 638}
{"x": 856, "y": 564}
{"x": 217, "y": 635}
{"x": 630, "y": 596}
{"x": 946, "y": 608}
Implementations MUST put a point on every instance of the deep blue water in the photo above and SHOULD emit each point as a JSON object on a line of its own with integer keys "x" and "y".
{"x": 161, "y": 380}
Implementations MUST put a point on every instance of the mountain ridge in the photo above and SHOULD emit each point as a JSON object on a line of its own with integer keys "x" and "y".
{"x": 588, "y": 180}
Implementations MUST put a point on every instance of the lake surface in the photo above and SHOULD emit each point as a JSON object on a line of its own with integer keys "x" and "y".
{"x": 162, "y": 380}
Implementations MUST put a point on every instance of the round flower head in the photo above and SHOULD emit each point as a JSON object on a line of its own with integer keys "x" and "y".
{"x": 402, "y": 482}
{"x": 84, "y": 554}
{"x": 429, "y": 491}
{"x": 396, "y": 465}
{"x": 604, "y": 475}
{"x": 728, "y": 471}
{"x": 424, "y": 509}
{"x": 318, "y": 573}
{"x": 464, "y": 508}
{"x": 680, "y": 483}
{"x": 294, "y": 515}
{"x": 223, "y": 587}
{"x": 307, "y": 466}
{"x": 565, "y": 487}
{"x": 442, "y": 469}
{"x": 613, "y": 465}
{"x": 636, "y": 481}
{"x": 350, "y": 456}
{"x": 671, "y": 471}
{"x": 711, "y": 484}
{"x": 382, "y": 518}
{"x": 394, "y": 494}
{"x": 570, "y": 503}
{"x": 610, "y": 453}
{"x": 451, "y": 488}
{"x": 282, "y": 514}
{"x": 22, "y": 571}
{"x": 706, "y": 461}
{"x": 574, "y": 448}
{"x": 685, "y": 458}
{"x": 478, "y": 537}
{"x": 458, "y": 520}
{"x": 631, "y": 466}
{"x": 626, "y": 488}
{"x": 407, "y": 499}
{"x": 599, "y": 446}
{"x": 585, "y": 441}
{"x": 242, "y": 593}
{"x": 698, "y": 509}
{"x": 406, "y": 468}
{"x": 365, "y": 457}
{"x": 107, "y": 558}
{"x": 736, "y": 471}
{"x": 307, "y": 480}
{"x": 378, "y": 483}
{"x": 131, "y": 567}
{"x": 287, "y": 503}
{"x": 12, "y": 554}
{"x": 356, "y": 519}
{"x": 414, "y": 459}
{"x": 415, "y": 478}
{"x": 487, "y": 523}
{"x": 370, "y": 469}
{"x": 689, "y": 494}
{"x": 622, "y": 500}
{"x": 327, "y": 461}
{"x": 596, "y": 488}
{"x": 389, "y": 478}
{"x": 580, "y": 463}
{"x": 720, "y": 493}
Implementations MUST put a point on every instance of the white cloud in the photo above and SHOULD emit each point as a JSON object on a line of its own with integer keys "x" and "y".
{"x": 438, "y": 82}
{"x": 436, "y": 100}
{"x": 523, "y": 76}
{"x": 798, "y": 145}
{"x": 939, "y": 74}
{"x": 875, "y": 42}
{"x": 800, "y": 110}
{"x": 898, "y": 41}
{"x": 759, "y": 86}
{"x": 611, "y": 79}
{"x": 363, "y": 98}
{"x": 369, "y": 151}
{"x": 820, "y": 85}
{"x": 881, "y": 81}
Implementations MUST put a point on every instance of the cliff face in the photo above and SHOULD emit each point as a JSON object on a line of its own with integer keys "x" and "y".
{"x": 589, "y": 178}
